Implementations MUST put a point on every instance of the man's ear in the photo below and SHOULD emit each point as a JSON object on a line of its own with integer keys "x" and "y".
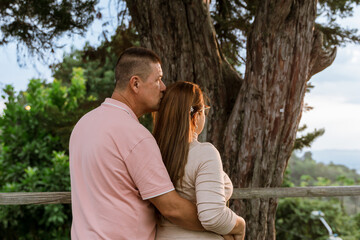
{"x": 134, "y": 83}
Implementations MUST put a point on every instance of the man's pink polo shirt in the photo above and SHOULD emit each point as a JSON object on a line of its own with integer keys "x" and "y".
{"x": 115, "y": 165}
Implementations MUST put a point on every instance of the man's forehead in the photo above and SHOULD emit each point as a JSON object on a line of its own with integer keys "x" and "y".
{"x": 159, "y": 69}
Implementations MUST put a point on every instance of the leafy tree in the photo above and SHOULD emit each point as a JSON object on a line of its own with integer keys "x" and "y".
{"x": 31, "y": 221}
{"x": 37, "y": 24}
{"x": 233, "y": 21}
{"x": 98, "y": 63}
{"x": 82, "y": 81}
{"x": 33, "y": 154}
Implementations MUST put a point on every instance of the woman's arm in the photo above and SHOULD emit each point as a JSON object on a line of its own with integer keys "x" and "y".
{"x": 210, "y": 194}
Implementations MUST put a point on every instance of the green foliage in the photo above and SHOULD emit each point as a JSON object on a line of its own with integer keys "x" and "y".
{"x": 231, "y": 33}
{"x": 305, "y": 171}
{"x": 293, "y": 216}
{"x": 43, "y": 221}
{"x": 233, "y": 19}
{"x": 98, "y": 63}
{"x": 334, "y": 34}
{"x": 35, "y": 127}
{"x": 286, "y": 179}
{"x": 307, "y": 139}
{"x": 37, "y": 24}
{"x": 294, "y": 220}
{"x": 147, "y": 121}
{"x": 100, "y": 77}
{"x": 334, "y": 8}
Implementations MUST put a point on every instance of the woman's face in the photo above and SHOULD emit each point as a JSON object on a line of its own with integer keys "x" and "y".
{"x": 200, "y": 119}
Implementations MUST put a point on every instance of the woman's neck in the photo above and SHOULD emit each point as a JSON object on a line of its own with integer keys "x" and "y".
{"x": 194, "y": 136}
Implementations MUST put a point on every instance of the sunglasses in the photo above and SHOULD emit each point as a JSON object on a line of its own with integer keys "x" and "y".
{"x": 205, "y": 110}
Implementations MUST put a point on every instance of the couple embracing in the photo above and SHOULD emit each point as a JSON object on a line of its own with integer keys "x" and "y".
{"x": 129, "y": 184}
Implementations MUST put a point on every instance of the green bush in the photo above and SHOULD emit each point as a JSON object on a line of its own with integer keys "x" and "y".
{"x": 35, "y": 127}
{"x": 294, "y": 220}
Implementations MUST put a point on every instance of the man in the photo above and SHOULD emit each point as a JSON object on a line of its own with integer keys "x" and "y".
{"x": 115, "y": 164}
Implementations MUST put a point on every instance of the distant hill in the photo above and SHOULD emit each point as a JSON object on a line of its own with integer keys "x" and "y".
{"x": 349, "y": 158}
{"x": 329, "y": 165}
{"x": 326, "y": 168}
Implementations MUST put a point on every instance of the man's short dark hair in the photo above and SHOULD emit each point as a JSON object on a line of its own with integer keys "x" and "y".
{"x": 134, "y": 61}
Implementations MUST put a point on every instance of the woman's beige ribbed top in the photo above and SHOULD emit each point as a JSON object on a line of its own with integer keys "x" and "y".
{"x": 209, "y": 187}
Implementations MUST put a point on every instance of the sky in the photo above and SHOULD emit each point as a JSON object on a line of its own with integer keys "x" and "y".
{"x": 335, "y": 98}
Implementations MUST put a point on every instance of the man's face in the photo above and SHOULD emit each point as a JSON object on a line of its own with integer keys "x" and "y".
{"x": 152, "y": 89}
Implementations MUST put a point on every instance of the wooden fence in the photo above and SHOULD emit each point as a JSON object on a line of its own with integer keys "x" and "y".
{"x": 23, "y": 198}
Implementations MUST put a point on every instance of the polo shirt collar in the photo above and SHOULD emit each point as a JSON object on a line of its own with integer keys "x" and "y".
{"x": 121, "y": 106}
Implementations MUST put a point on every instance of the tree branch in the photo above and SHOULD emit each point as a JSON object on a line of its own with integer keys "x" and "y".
{"x": 320, "y": 58}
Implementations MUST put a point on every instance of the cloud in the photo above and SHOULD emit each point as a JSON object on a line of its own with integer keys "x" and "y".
{"x": 340, "y": 120}
{"x": 343, "y": 91}
{"x": 344, "y": 68}
{"x": 351, "y": 22}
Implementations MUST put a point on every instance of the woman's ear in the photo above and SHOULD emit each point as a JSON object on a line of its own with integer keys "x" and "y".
{"x": 195, "y": 119}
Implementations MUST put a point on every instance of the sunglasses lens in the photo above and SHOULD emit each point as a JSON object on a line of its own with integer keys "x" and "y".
{"x": 207, "y": 110}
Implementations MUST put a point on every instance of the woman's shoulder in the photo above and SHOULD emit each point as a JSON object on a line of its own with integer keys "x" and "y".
{"x": 203, "y": 157}
{"x": 204, "y": 148}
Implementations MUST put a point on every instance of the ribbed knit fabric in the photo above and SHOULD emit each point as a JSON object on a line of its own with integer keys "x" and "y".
{"x": 209, "y": 187}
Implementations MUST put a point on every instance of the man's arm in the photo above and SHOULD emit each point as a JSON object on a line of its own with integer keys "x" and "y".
{"x": 178, "y": 210}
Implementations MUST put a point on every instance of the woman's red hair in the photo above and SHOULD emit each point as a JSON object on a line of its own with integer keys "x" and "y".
{"x": 174, "y": 124}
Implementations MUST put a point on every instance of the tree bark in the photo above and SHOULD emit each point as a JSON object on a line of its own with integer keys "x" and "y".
{"x": 182, "y": 33}
{"x": 253, "y": 122}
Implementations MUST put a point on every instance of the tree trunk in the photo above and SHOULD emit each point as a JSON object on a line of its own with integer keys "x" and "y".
{"x": 182, "y": 34}
{"x": 253, "y": 122}
{"x": 269, "y": 104}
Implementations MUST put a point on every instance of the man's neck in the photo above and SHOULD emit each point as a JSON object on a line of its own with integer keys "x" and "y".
{"x": 123, "y": 97}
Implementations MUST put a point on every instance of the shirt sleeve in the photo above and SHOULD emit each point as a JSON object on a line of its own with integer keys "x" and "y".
{"x": 147, "y": 170}
{"x": 210, "y": 193}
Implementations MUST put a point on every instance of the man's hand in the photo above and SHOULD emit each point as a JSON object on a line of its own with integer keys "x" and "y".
{"x": 233, "y": 237}
{"x": 178, "y": 210}
{"x": 239, "y": 229}
{"x": 239, "y": 237}
{"x": 228, "y": 237}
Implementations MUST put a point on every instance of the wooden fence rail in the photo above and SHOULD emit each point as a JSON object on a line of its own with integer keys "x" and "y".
{"x": 23, "y": 198}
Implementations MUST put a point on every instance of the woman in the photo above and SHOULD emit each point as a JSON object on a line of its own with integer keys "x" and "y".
{"x": 195, "y": 168}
